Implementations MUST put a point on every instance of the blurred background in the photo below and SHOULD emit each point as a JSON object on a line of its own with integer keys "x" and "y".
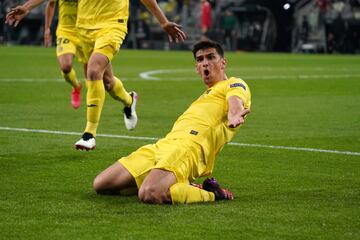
{"x": 306, "y": 26}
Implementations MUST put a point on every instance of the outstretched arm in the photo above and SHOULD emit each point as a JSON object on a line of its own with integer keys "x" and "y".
{"x": 16, "y": 14}
{"x": 49, "y": 15}
{"x": 237, "y": 112}
{"x": 172, "y": 29}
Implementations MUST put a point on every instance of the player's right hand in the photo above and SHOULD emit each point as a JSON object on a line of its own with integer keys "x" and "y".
{"x": 47, "y": 38}
{"x": 16, "y": 15}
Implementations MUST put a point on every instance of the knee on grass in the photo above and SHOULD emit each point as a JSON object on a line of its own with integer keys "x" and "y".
{"x": 102, "y": 186}
{"x": 151, "y": 194}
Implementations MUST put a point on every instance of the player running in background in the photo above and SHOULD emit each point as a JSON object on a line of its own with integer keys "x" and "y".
{"x": 67, "y": 43}
{"x": 102, "y": 27}
{"x": 162, "y": 171}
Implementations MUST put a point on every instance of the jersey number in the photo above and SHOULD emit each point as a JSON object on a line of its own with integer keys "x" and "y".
{"x": 62, "y": 41}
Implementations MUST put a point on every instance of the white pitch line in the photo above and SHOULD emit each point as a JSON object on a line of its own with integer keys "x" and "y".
{"x": 154, "y": 139}
{"x": 148, "y": 75}
{"x": 151, "y": 75}
{"x": 296, "y": 148}
{"x": 73, "y": 133}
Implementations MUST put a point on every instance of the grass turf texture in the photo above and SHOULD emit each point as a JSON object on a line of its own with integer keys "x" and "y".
{"x": 298, "y": 100}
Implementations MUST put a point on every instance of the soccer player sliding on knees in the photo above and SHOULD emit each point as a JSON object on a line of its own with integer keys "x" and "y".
{"x": 164, "y": 172}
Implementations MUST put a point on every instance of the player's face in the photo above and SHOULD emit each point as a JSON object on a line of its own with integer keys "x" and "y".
{"x": 210, "y": 66}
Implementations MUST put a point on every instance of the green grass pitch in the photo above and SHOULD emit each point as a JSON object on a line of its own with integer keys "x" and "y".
{"x": 308, "y": 102}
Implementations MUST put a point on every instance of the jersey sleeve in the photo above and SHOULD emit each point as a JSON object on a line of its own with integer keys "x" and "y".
{"x": 238, "y": 87}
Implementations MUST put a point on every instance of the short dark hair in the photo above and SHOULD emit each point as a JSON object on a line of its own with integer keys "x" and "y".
{"x": 206, "y": 45}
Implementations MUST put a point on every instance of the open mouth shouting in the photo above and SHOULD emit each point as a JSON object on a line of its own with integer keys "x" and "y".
{"x": 206, "y": 72}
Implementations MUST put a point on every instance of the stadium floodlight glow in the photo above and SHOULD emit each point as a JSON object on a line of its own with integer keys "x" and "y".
{"x": 286, "y": 6}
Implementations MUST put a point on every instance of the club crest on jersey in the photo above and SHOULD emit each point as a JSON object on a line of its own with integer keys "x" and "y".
{"x": 193, "y": 132}
{"x": 237, "y": 85}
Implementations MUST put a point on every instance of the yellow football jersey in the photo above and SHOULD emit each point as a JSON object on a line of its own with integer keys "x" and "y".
{"x": 96, "y": 14}
{"x": 205, "y": 121}
{"x": 67, "y": 15}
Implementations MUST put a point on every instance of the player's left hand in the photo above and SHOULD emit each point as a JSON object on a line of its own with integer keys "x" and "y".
{"x": 16, "y": 15}
{"x": 174, "y": 31}
{"x": 237, "y": 119}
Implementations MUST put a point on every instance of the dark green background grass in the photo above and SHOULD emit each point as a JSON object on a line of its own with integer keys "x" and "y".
{"x": 304, "y": 101}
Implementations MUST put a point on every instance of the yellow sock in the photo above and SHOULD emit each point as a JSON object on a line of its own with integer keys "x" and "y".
{"x": 95, "y": 97}
{"x": 185, "y": 193}
{"x": 71, "y": 78}
{"x": 118, "y": 92}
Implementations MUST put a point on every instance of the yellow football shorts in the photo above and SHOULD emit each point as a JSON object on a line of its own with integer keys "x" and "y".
{"x": 183, "y": 157}
{"x": 69, "y": 43}
{"x": 106, "y": 41}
